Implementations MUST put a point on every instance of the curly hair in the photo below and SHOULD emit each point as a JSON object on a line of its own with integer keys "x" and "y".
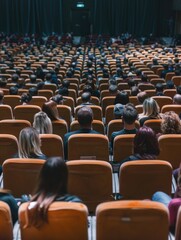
{"x": 170, "y": 123}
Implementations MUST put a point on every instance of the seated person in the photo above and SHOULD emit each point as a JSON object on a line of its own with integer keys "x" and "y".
{"x": 1, "y": 97}
{"x": 42, "y": 123}
{"x": 118, "y": 110}
{"x": 85, "y": 118}
{"x": 141, "y": 96}
{"x": 86, "y": 98}
{"x": 129, "y": 117}
{"x": 146, "y": 145}
{"x": 29, "y": 144}
{"x": 13, "y": 90}
{"x": 52, "y": 186}
{"x": 159, "y": 89}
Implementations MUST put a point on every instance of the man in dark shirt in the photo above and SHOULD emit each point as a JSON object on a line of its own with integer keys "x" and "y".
{"x": 129, "y": 117}
{"x": 85, "y": 118}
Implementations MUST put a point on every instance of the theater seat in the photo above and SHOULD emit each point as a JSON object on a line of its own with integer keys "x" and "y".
{"x": 66, "y": 220}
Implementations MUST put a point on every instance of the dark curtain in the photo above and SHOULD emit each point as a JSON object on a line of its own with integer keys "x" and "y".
{"x": 31, "y": 16}
{"x": 138, "y": 17}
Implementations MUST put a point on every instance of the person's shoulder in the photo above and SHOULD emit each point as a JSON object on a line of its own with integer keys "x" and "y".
{"x": 117, "y": 133}
{"x": 68, "y": 198}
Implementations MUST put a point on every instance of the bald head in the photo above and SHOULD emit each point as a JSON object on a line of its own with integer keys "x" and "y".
{"x": 177, "y": 99}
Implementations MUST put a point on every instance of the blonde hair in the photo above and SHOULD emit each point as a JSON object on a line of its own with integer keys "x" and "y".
{"x": 42, "y": 123}
{"x": 29, "y": 143}
{"x": 151, "y": 108}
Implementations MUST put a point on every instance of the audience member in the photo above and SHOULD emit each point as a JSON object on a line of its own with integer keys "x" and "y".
{"x": 118, "y": 110}
{"x": 1, "y": 97}
{"x": 13, "y": 90}
{"x": 25, "y": 98}
{"x": 122, "y": 97}
{"x": 52, "y": 186}
{"x": 42, "y": 123}
{"x": 151, "y": 110}
{"x": 85, "y": 118}
{"x": 29, "y": 144}
{"x": 170, "y": 123}
{"x": 50, "y": 108}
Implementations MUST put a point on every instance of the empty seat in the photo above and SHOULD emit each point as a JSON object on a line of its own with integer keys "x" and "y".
{"x": 140, "y": 179}
{"x": 20, "y": 175}
{"x": 91, "y": 180}
{"x": 26, "y": 112}
{"x": 6, "y": 227}
{"x": 88, "y": 146}
{"x": 6, "y": 112}
{"x": 132, "y": 220}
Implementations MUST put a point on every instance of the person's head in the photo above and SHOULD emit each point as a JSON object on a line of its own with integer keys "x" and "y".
{"x": 142, "y": 96}
{"x": 65, "y": 83}
{"x": 3, "y": 82}
{"x": 33, "y": 91}
{"x": 118, "y": 110}
{"x": 25, "y": 98}
{"x": 32, "y": 78}
{"x": 15, "y": 78}
{"x": 150, "y": 108}
{"x": 52, "y": 183}
{"x": 159, "y": 87}
{"x": 144, "y": 78}
{"x": 48, "y": 77}
{"x": 86, "y": 97}
{"x": 179, "y": 89}
{"x": 113, "y": 89}
{"x": 177, "y": 99}
{"x": 58, "y": 98}
{"x": 85, "y": 117}
{"x": 134, "y": 91}
{"x": 29, "y": 143}
{"x": 50, "y": 108}
{"x": 170, "y": 84}
{"x": 13, "y": 90}
{"x": 131, "y": 83}
{"x": 130, "y": 114}
{"x": 1, "y": 95}
{"x": 170, "y": 123}
{"x": 122, "y": 97}
{"x": 146, "y": 143}
{"x": 87, "y": 88}
{"x": 40, "y": 85}
{"x": 42, "y": 123}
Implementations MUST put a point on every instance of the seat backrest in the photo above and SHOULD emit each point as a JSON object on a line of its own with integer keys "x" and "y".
{"x": 132, "y": 220}
{"x": 38, "y": 100}
{"x": 20, "y": 175}
{"x": 65, "y": 113}
{"x": 13, "y": 126}
{"x": 46, "y": 93}
{"x": 26, "y": 112}
{"x": 123, "y": 147}
{"x": 163, "y": 100}
{"x": 169, "y": 92}
{"x": 96, "y": 125}
{"x": 88, "y": 146}
{"x": 106, "y": 101}
{"x": 109, "y": 114}
{"x": 91, "y": 180}
{"x": 176, "y": 80}
{"x": 6, "y": 227}
{"x": 8, "y": 147}
{"x": 174, "y": 107}
{"x": 51, "y": 145}
{"x": 66, "y": 220}
{"x": 155, "y": 124}
{"x": 140, "y": 179}
{"x": 170, "y": 149}
{"x": 52, "y": 87}
{"x": 12, "y": 100}
{"x": 6, "y": 112}
{"x": 60, "y": 127}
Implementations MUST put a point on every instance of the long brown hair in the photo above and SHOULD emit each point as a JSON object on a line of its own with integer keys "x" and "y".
{"x": 52, "y": 183}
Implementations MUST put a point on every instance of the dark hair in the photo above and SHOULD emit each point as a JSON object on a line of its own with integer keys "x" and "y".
{"x": 122, "y": 97}
{"x": 63, "y": 91}
{"x": 33, "y": 91}
{"x": 87, "y": 88}
{"x": 32, "y": 78}
{"x": 52, "y": 183}
{"x": 170, "y": 84}
{"x": 131, "y": 83}
{"x": 159, "y": 87}
{"x": 146, "y": 143}
{"x": 86, "y": 96}
{"x": 130, "y": 114}
{"x": 25, "y": 98}
{"x": 65, "y": 83}
{"x": 58, "y": 98}
{"x": 85, "y": 116}
{"x": 142, "y": 96}
{"x": 15, "y": 78}
{"x": 13, "y": 90}
{"x": 113, "y": 88}
{"x": 134, "y": 91}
